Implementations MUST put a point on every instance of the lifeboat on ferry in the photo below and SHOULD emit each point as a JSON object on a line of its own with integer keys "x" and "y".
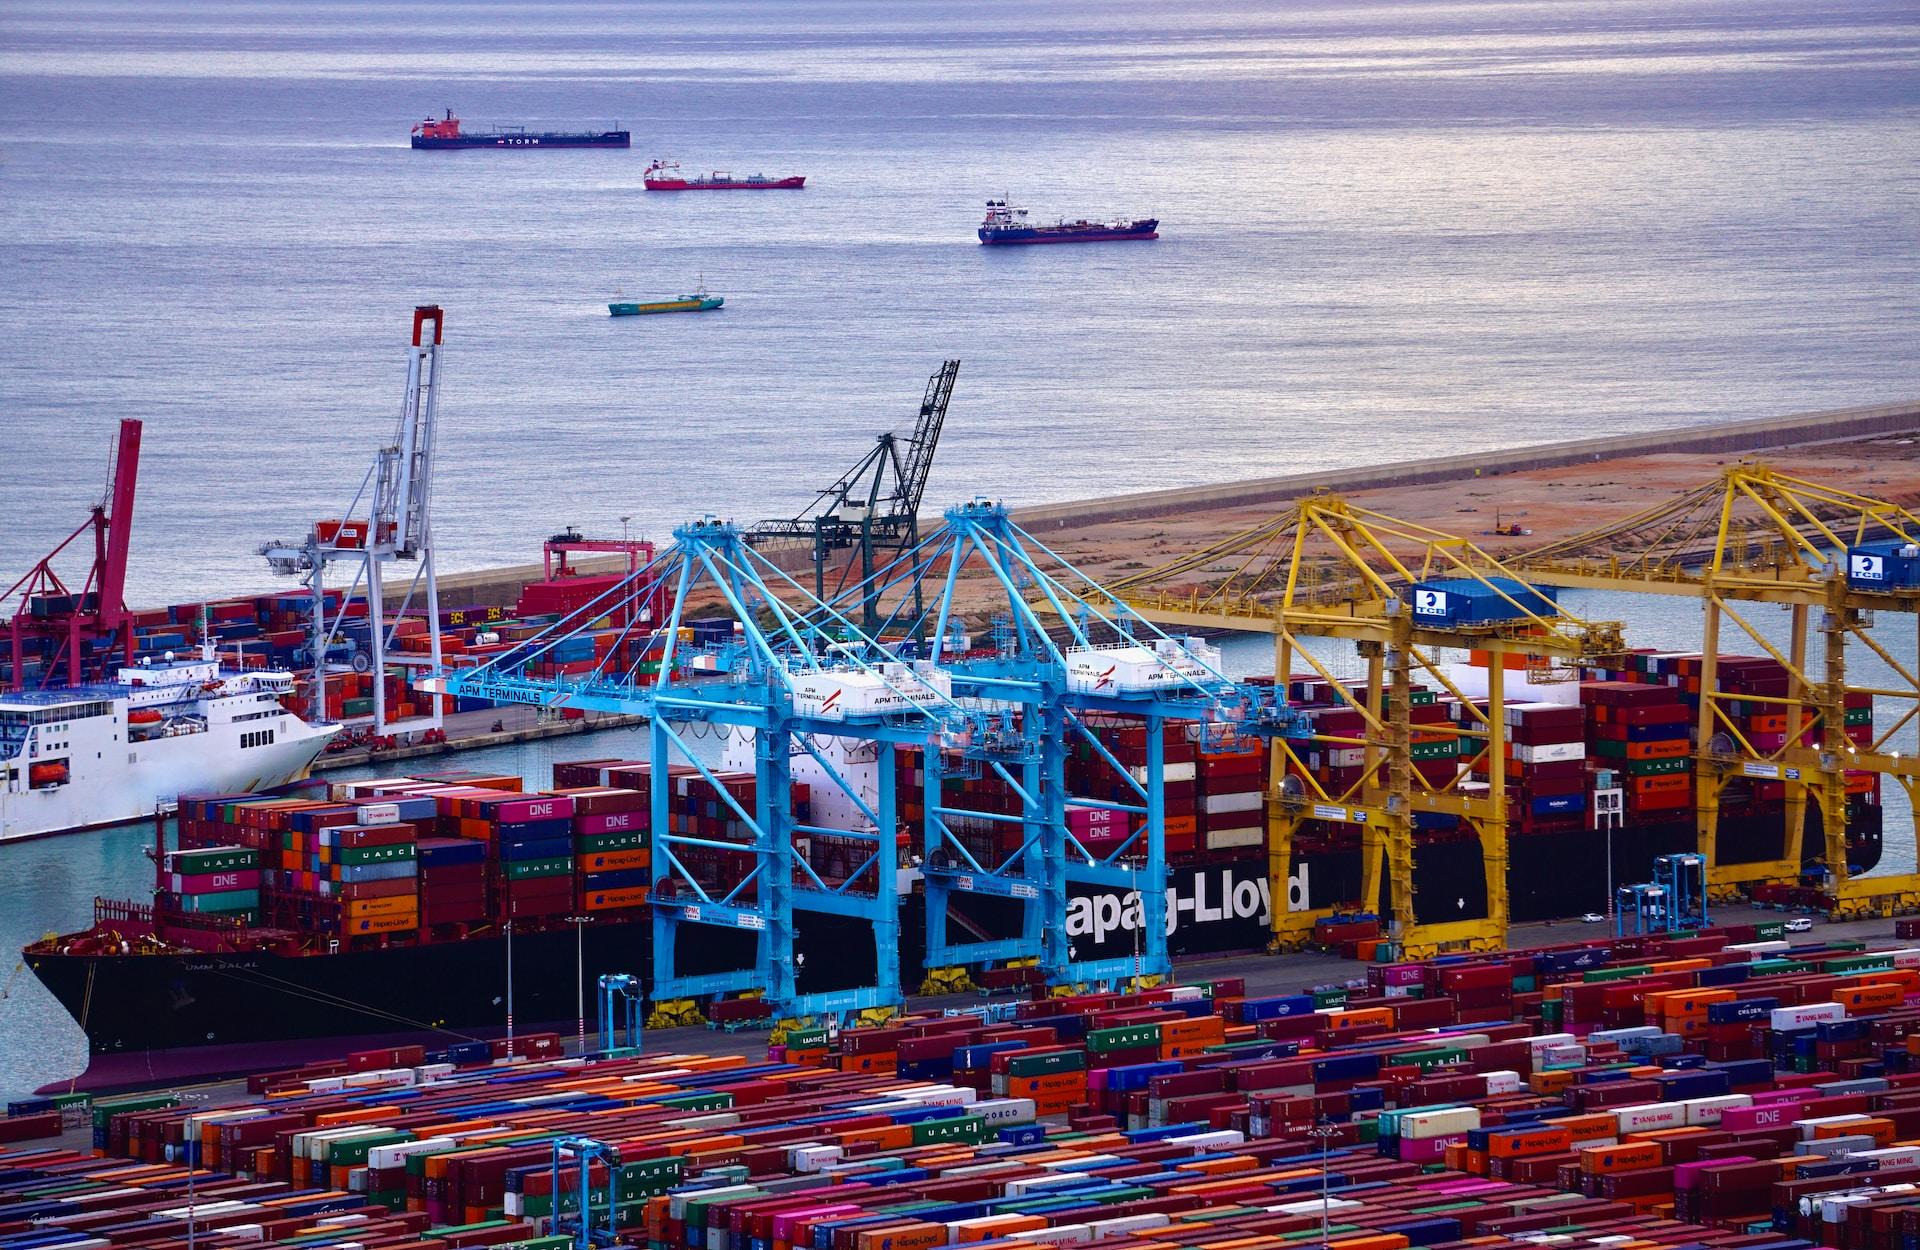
{"x": 52, "y": 773}
{"x": 144, "y": 716}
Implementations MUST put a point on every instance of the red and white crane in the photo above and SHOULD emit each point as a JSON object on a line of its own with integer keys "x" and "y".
{"x": 77, "y": 622}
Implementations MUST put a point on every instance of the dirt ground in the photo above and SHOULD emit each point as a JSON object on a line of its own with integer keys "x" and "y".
{"x": 1549, "y": 503}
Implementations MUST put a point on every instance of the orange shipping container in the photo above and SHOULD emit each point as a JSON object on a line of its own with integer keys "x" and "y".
{"x": 614, "y": 861}
{"x": 1626, "y": 1157}
{"x": 1870, "y": 997}
{"x": 1341, "y": 1021}
{"x": 610, "y": 900}
{"x": 914, "y": 1235}
{"x": 398, "y": 905}
{"x": 1537, "y": 1142}
{"x": 385, "y": 924}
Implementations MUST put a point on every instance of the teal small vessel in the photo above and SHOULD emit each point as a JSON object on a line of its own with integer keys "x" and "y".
{"x": 699, "y": 301}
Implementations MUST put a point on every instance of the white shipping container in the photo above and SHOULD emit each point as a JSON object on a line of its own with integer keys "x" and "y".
{"x": 1005, "y": 1110}
{"x": 1420, "y": 1125}
{"x": 813, "y": 1157}
{"x": 1203, "y": 1142}
{"x": 1502, "y": 1083}
{"x": 394, "y": 1155}
{"x": 1549, "y": 752}
{"x": 1805, "y": 1014}
{"x": 379, "y": 813}
{"x": 1027, "y": 1184}
{"x": 1185, "y": 993}
{"x": 1058, "y": 1235}
{"x": 1648, "y": 1115}
{"x": 1172, "y": 772}
{"x": 1544, "y": 1040}
{"x": 1243, "y": 801}
{"x": 1709, "y": 1110}
{"x": 1808, "y": 1126}
{"x": 1085, "y": 1163}
{"x": 1312, "y": 1207}
{"x": 1890, "y": 1157}
{"x": 1228, "y": 839}
{"x": 1130, "y": 1223}
{"x": 1759, "y": 950}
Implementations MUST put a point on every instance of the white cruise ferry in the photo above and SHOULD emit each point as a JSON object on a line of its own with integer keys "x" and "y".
{"x": 85, "y": 756}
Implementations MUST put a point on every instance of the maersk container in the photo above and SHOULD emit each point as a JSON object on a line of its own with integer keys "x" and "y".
{"x": 1891, "y": 564}
{"x": 1466, "y": 601}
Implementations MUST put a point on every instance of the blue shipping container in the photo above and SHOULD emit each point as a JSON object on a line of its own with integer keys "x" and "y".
{"x": 1461, "y": 600}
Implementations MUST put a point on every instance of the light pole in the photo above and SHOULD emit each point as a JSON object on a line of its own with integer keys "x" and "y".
{"x": 191, "y": 1153}
{"x": 509, "y": 930}
{"x": 1325, "y": 1133}
{"x": 623, "y": 528}
{"x": 580, "y": 975}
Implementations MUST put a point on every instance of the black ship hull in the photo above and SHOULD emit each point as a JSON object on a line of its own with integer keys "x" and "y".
{"x": 132, "y": 1004}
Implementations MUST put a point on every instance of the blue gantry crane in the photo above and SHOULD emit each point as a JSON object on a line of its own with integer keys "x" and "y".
{"x": 806, "y": 689}
{"x": 586, "y": 1152}
{"x": 1063, "y": 654}
{"x": 621, "y": 994}
{"x": 802, "y": 678}
{"x": 1675, "y": 901}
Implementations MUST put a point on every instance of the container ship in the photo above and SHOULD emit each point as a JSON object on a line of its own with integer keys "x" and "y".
{"x": 445, "y": 134}
{"x": 1006, "y": 225}
{"x": 387, "y": 903}
{"x": 665, "y": 176}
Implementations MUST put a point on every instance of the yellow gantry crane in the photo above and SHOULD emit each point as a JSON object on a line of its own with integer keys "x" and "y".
{"x": 1758, "y": 536}
{"x": 1328, "y": 569}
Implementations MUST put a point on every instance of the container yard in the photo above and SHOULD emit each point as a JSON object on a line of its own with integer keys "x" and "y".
{"x": 1725, "y": 1088}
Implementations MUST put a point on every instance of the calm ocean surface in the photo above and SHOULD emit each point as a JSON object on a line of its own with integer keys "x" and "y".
{"x": 1389, "y": 229}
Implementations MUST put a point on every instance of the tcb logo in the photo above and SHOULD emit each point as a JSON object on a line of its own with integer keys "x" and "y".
{"x": 1868, "y": 569}
{"x": 1429, "y": 603}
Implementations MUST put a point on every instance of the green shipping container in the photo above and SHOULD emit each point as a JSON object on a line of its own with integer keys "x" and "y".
{"x": 103, "y": 1112}
{"x": 397, "y": 853}
{"x": 1434, "y": 750}
{"x": 352, "y": 1152}
{"x": 1861, "y": 963}
{"x": 522, "y": 869}
{"x": 1859, "y": 716}
{"x": 1126, "y": 1037}
{"x": 966, "y": 1128}
{"x": 221, "y": 901}
{"x": 807, "y": 1039}
{"x": 1616, "y": 974}
{"x": 1324, "y": 999}
{"x": 626, "y": 840}
{"x": 212, "y": 859}
{"x": 698, "y": 1102}
{"x": 1044, "y": 1064}
{"x": 1771, "y": 931}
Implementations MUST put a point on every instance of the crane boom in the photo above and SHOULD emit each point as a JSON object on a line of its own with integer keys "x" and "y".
{"x": 926, "y": 437}
{"x": 118, "y": 538}
{"x": 874, "y": 505}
